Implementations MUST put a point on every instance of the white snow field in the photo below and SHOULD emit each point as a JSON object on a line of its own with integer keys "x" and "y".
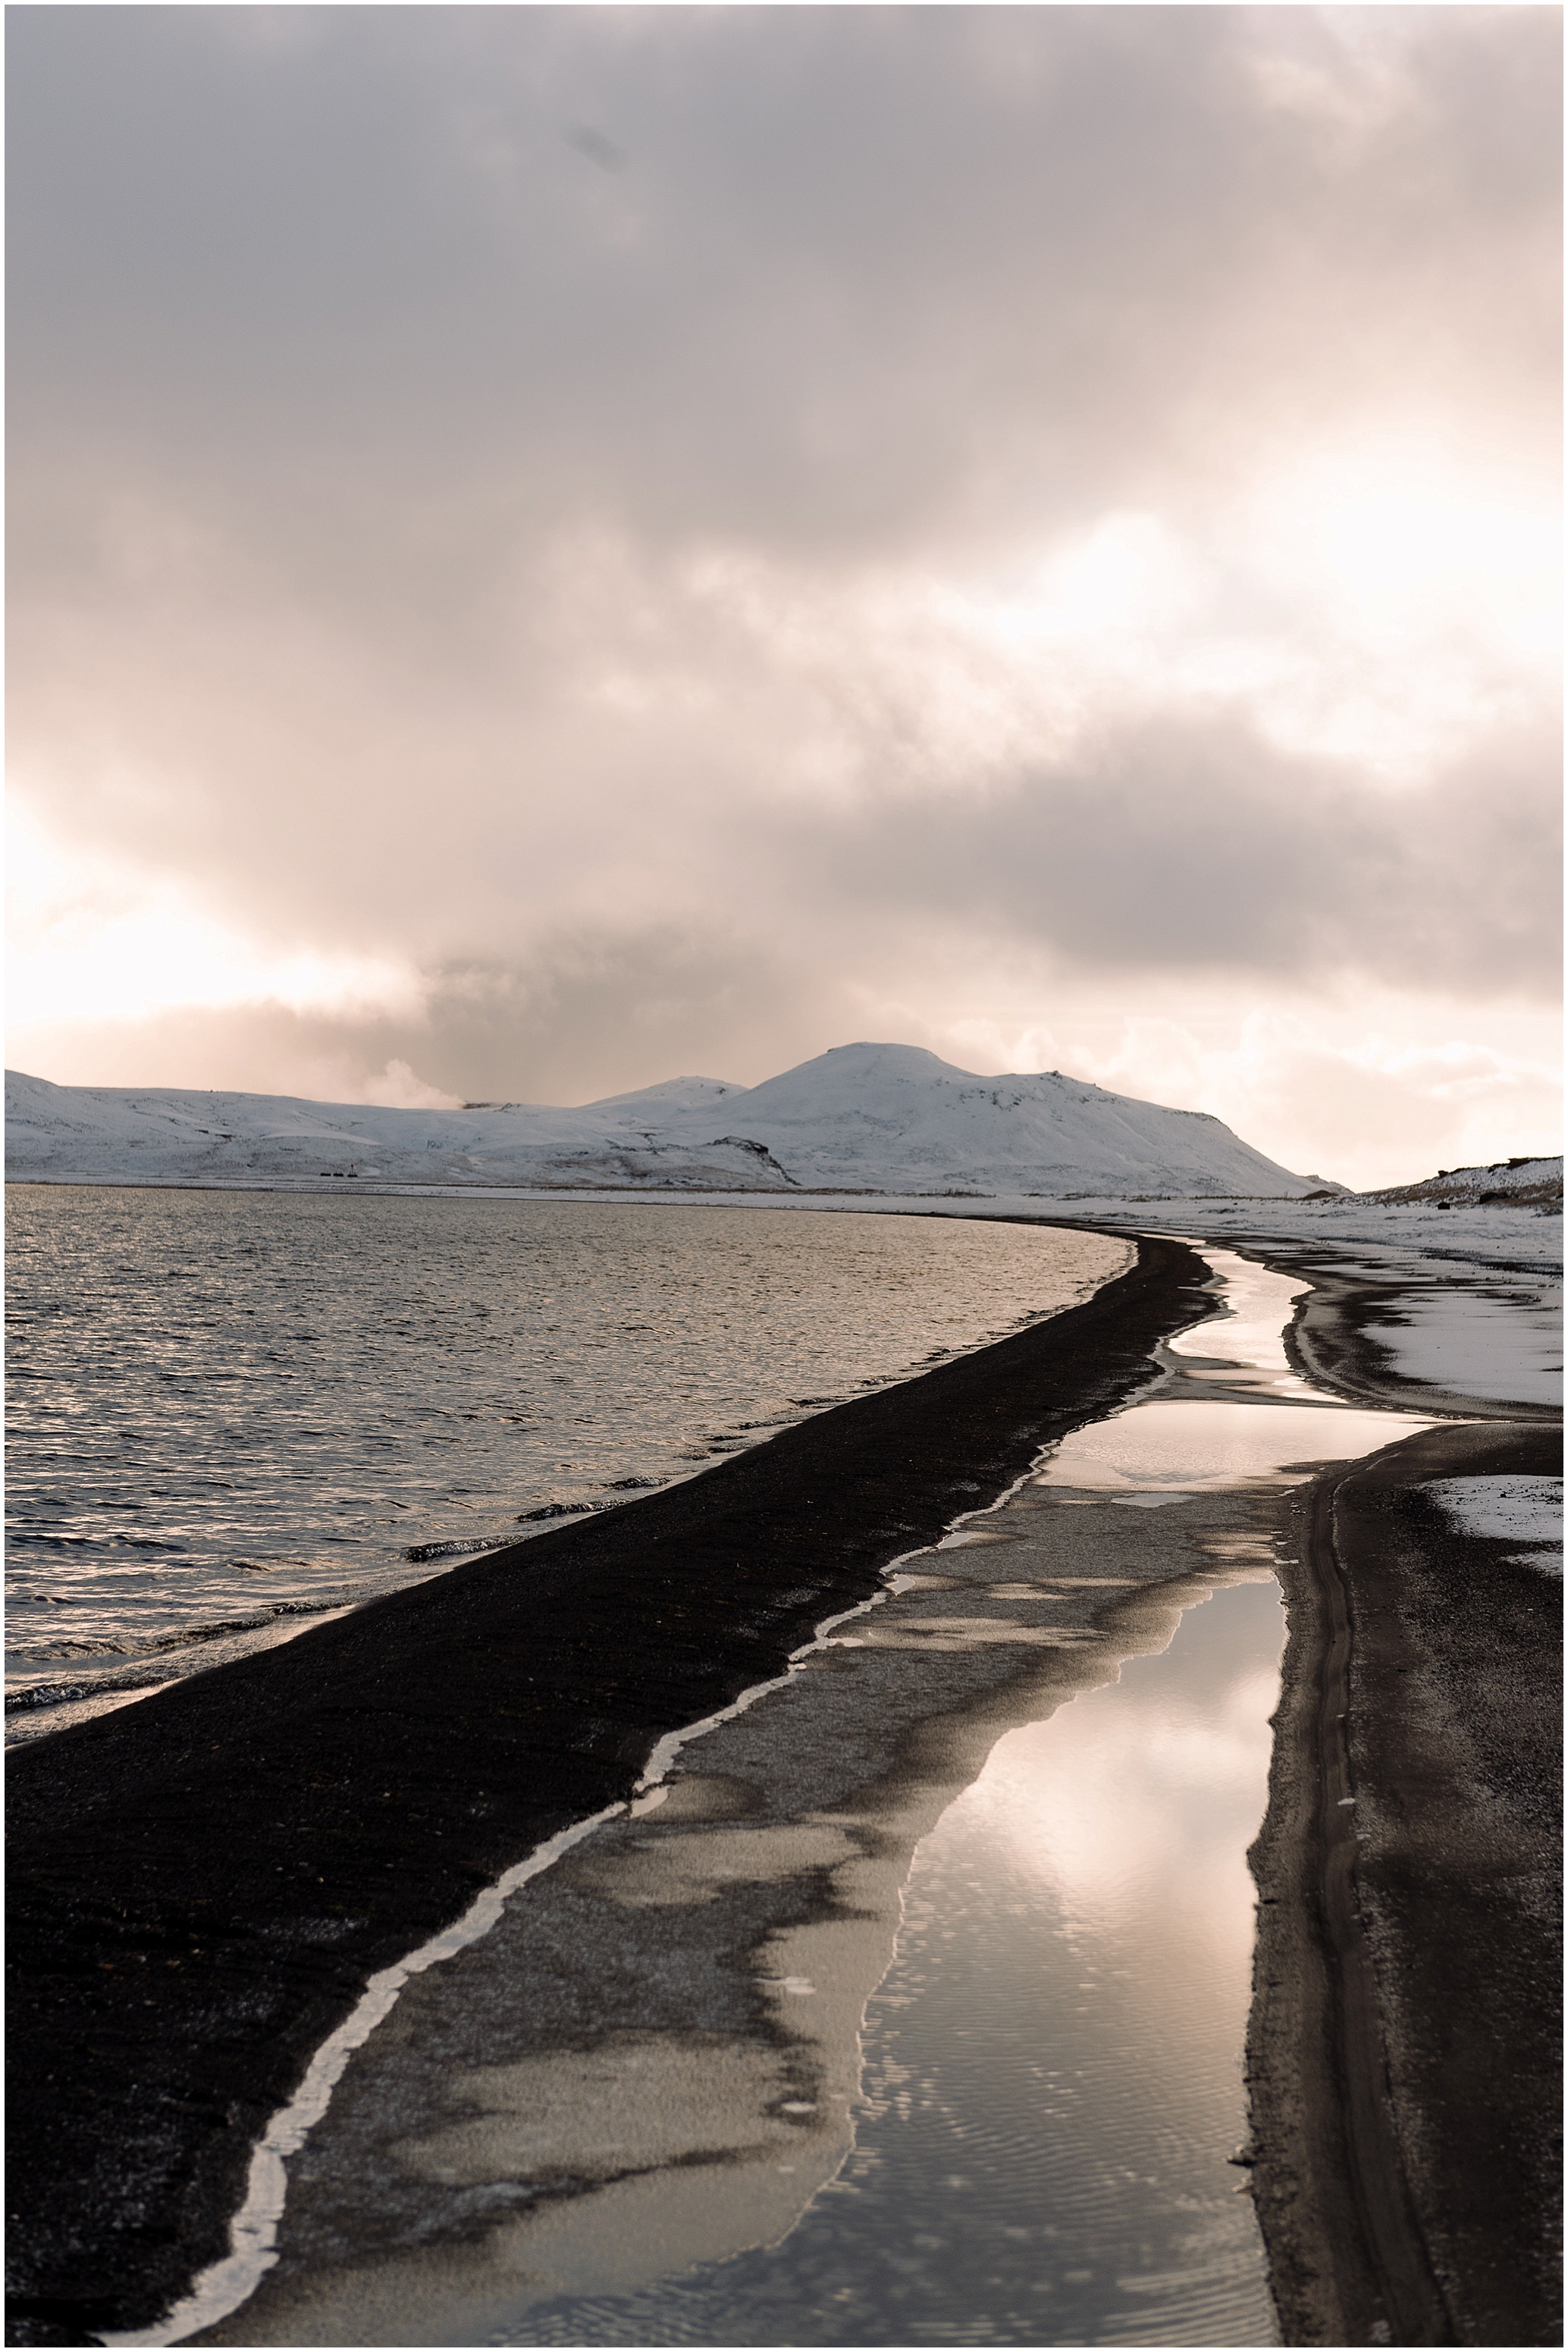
{"x": 861, "y": 1118}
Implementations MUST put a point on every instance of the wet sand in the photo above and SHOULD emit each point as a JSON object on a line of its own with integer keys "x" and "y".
{"x": 202, "y": 1883}
{"x": 539, "y": 2147}
{"x": 1406, "y": 2049}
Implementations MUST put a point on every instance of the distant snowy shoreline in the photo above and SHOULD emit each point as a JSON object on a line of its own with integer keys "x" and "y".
{"x": 888, "y": 1128}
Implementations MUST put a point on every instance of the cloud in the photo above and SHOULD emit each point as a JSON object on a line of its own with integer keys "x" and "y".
{"x": 1181, "y": 845}
{"x": 552, "y": 546}
{"x": 398, "y": 1087}
{"x": 586, "y": 1016}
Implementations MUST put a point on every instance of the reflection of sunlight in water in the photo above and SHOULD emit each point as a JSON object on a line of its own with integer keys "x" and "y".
{"x": 1052, "y": 2079}
{"x": 1196, "y": 1443}
{"x": 1251, "y": 1331}
{"x": 1187, "y": 1441}
{"x": 1138, "y": 1797}
{"x": 1109, "y": 1964}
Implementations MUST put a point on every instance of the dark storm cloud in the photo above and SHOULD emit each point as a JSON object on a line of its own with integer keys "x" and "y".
{"x": 855, "y": 264}
{"x": 1202, "y": 848}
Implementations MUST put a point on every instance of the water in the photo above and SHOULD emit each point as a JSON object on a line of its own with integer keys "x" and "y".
{"x": 230, "y": 1411}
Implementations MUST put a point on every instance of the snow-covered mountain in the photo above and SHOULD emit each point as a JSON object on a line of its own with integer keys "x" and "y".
{"x": 861, "y": 1118}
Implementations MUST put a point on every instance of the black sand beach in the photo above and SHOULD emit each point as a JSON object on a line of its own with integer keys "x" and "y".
{"x": 201, "y": 1883}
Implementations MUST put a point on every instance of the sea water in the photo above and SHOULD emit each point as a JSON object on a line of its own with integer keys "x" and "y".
{"x": 232, "y": 1412}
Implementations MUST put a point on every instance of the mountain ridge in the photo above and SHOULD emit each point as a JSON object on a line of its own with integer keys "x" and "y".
{"x": 863, "y": 1118}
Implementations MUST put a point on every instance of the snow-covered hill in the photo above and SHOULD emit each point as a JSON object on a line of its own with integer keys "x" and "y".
{"x": 1506, "y": 1184}
{"x": 861, "y": 1118}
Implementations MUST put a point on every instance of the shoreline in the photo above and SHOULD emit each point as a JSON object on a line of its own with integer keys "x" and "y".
{"x": 208, "y": 1877}
{"x": 1411, "y": 2253}
{"x": 441, "y": 1370}
{"x": 527, "y": 2204}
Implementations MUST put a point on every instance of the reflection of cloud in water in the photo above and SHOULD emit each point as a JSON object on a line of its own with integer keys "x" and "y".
{"x": 1199, "y": 1443}
{"x": 1251, "y": 1331}
{"x": 1137, "y": 1800}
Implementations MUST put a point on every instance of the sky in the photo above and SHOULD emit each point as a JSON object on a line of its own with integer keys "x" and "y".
{"x": 555, "y": 548}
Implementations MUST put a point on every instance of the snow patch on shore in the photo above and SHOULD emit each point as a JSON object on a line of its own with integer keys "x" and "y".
{"x": 1502, "y": 1347}
{"x": 1526, "y": 1511}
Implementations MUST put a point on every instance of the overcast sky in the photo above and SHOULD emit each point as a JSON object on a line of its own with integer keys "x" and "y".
{"x": 552, "y": 547}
